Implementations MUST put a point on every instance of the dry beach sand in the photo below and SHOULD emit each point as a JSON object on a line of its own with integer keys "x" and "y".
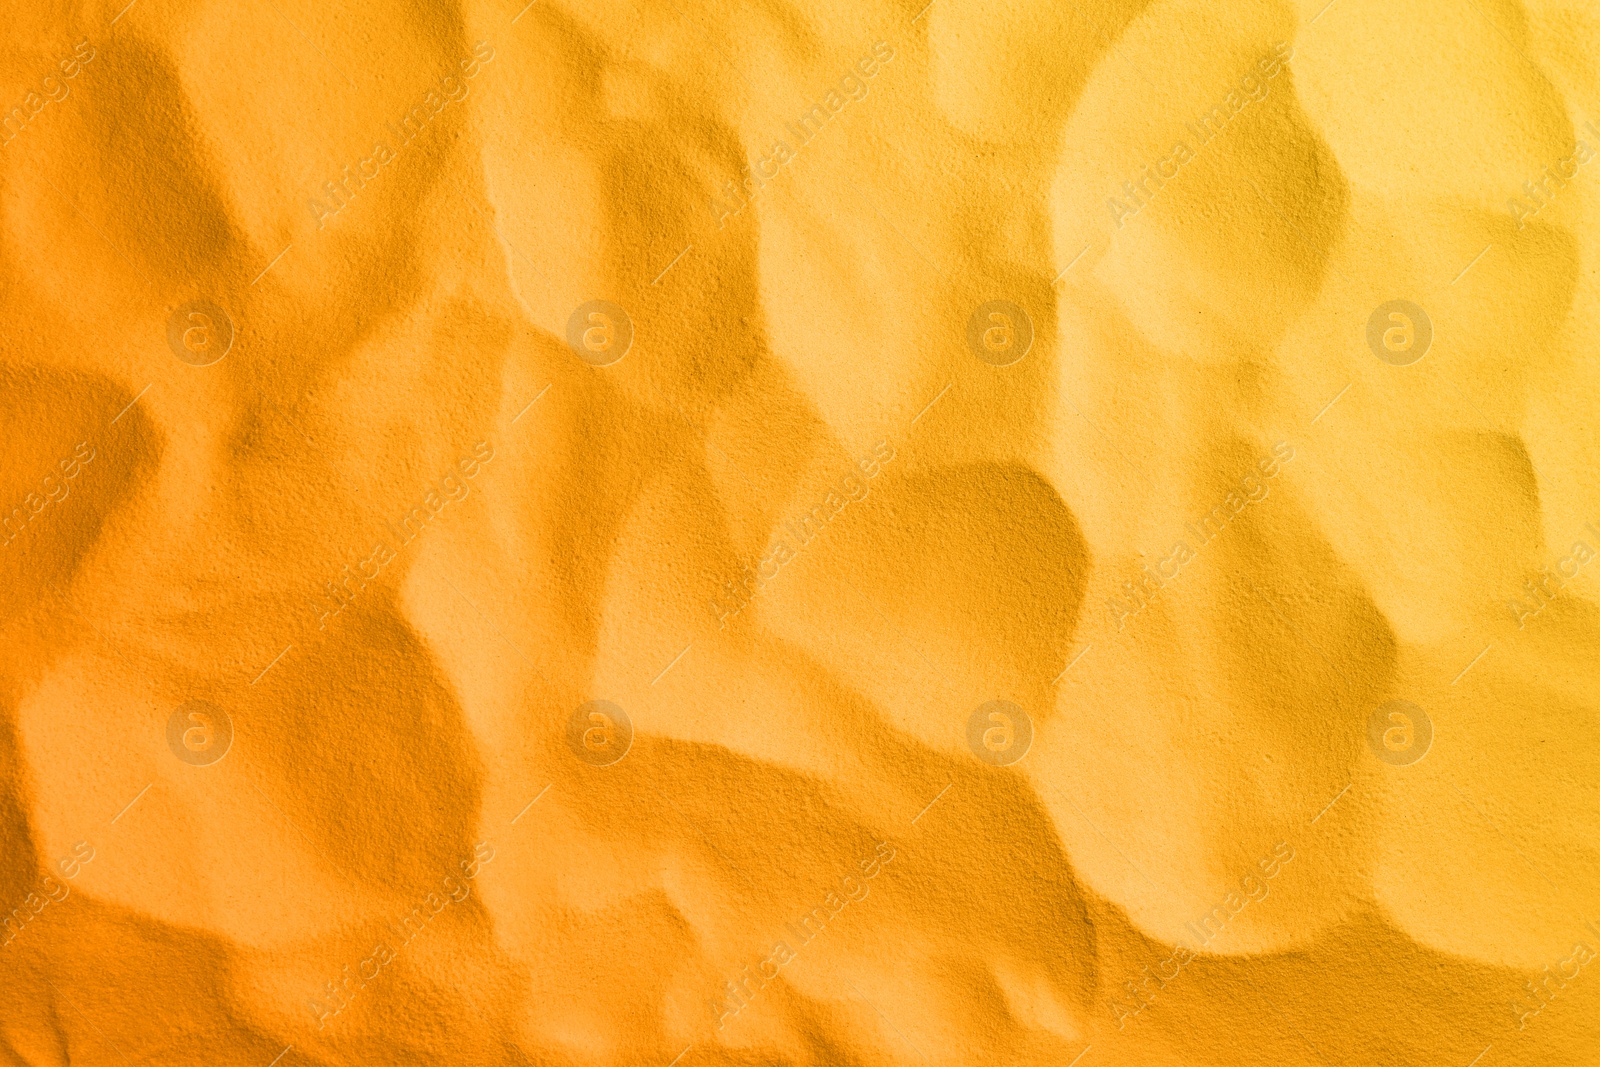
{"x": 989, "y": 533}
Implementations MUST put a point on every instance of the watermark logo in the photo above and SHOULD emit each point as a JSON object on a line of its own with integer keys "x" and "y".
{"x": 1399, "y": 332}
{"x": 1250, "y": 89}
{"x": 1145, "y": 587}
{"x": 1399, "y": 733}
{"x": 1253, "y": 889}
{"x": 599, "y": 333}
{"x": 999, "y": 333}
{"x": 52, "y": 490}
{"x": 1540, "y": 594}
{"x": 49, "y": 891}
{"x": 1543, "y": 191}
{"x": 50, "y": 90}
{"x": 199, "y": 733}
{"x": 599, "y": 733}
{"x": 754, "y": 177}
{"x": 199, "y": 333}
{"x": 1538, "y": 996}
{"x": 338, "y": 995}
{"x": 999, "y": 733}
{"x": 737, "y": 993}
{"x": 802, "y": 531}
{"x": 354, "y": 178}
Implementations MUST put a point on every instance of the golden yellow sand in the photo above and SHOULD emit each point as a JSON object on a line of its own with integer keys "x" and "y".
{"x": 705, "y": 534}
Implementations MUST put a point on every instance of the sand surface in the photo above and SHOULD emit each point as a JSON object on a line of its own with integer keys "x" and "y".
{"x": 994, "y": 533}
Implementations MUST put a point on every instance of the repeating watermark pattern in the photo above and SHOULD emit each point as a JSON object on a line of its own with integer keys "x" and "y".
{"x": 1538, "y": 996}
{"x": 1399, "y": 733}
{"x": 199, "y": 333}
{"x": 1543, "y": 191}
{"x": 51, "y": 90}
{"x": 737, "y": 993}
{"x": 1000, "y": 333}
{"x": 803, "y": 530}
{"x": 1205, "y": 930}
{"x": 424, "y": 109}
{"x": 599, "y": 333}
{"x": 999, "y": 733}
{"x": 1143, "y": 589}
{"x": 450, "y": 487}
{"x": 52, "y": 490}
{"x": 1540, "y": 594}
{"x": 599, "y": 733}
{"x": 1251, "y": 89}
{"x": 1399, "y": 332}
{"x": 199, "y": 733}
{"x": 736, "y": 196}
{"x": 338, "y": 994}
{"x": 49, "y": 891}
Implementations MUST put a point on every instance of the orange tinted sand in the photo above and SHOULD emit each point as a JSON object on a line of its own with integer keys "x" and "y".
{"x": 990, "y": 533}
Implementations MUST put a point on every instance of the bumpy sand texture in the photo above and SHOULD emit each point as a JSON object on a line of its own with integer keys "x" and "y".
{"x": 1215, "y": 683}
